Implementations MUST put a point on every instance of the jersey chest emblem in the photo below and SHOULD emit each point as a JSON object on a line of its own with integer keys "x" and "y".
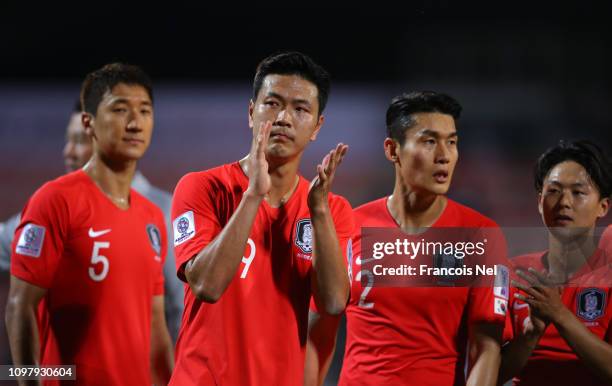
{"x": 303, "y": 235}
{"x": 154, "y": 238}
{"x": 590, "y": 303}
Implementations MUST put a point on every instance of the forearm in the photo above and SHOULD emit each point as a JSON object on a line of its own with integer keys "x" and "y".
{"x": 331, "y": 291}
{"x": 485, "y": 369}
{"x": 593, "y": 351}
{"x": 515, "y": 355}
{"x": 162, "y": 360}
{"x": 320, "y": 347}
{"x": 484, "y": 353}
{"x": 22, "y": 332}
{"x": 210, "y": 271}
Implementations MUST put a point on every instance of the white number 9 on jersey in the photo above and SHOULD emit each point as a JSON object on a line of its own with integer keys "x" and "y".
{"x": 248, "y": 260}
{"x": 97, "y": 258}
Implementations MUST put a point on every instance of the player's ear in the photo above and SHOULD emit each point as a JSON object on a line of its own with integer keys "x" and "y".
{"x": 540, "y": 203}
{"x": 391, "y": 150}
{"x": 88, "y": 121}
{"x": 604, "y": 206}
{"x": 314, "y": 134}
{"x": 251, "y": 108}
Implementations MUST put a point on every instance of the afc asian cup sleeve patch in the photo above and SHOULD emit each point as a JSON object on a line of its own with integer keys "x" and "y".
{"x": 183, "y": 228}
{"x": 500, "y": 306}
{"x": 303, "y": 235}
{"x": 31, "y": 240}
{"x": 591, "y": 303}
{"x": 502, "y": 282}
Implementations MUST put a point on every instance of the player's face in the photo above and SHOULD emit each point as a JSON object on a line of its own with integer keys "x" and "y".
{"x": 78, "y": 147}
{"x": 569, "y": 199}
{"x": 429, "y": 154}
{"x": 291, "y": 104}
{"x": 123, "y": 123}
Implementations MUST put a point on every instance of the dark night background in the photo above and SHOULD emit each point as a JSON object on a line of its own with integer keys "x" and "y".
{"x": 527, "y": 76}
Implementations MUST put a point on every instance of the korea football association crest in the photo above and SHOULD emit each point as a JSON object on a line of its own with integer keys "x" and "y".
{"x": 445, "y": 261}
{"x": 303, "y": 235}
{"x": 591, "y": 303}
{"x": 154, "y": 238}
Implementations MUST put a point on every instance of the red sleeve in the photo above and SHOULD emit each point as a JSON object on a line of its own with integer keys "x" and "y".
{"x": 488, "y": 299}
{"x": 159, "y": 272}
{"x": 342, "y": 214}
{"x": 195, "y": 220}
{"x": 38, "y": 244}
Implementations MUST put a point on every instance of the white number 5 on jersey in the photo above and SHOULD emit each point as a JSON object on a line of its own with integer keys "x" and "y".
{"x": 96, "y": 259}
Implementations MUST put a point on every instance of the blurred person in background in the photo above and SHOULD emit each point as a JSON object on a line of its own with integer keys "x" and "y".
{"x": 77, "y": 151}
{"x": 561, "y": 313}
{"x": 414, "y": 336}
{"x": 86, "y": 267}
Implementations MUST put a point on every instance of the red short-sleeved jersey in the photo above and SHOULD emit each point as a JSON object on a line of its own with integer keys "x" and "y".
{"x": 256, "y": 333}
{"x": 413, "y": 336}
{"x": 553, "y": 362}
{"x": 101, "y": 267}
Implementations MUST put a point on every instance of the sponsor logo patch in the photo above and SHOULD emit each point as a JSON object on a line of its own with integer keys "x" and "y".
{"x": 501, "y": 306}
{"x": 591, "y": 304}
{"x": 502, "y": 281}
{"x": 31, "y": 240}
{"x": 184, "y": 228}
{"x": 303, "y": 235}
{"x": 154, "y": 238}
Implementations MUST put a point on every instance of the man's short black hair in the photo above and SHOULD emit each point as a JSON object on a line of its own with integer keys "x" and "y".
{"x": 590, "y": 156}
{"x": 102, "y": 80}
{"x": 294, "y": 63}
{"x": 402, "y": 107}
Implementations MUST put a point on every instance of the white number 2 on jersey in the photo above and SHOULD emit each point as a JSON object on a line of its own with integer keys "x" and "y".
{"x": 248, "y": 260}
{"x": 97, "y": 258}
{"x": 362, "y": 299}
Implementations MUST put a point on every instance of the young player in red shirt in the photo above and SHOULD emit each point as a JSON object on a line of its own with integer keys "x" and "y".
{"x": 414, "y": 336}
{"x": 254, "y": 240}
{"x": 563, "y": 335}
{"x": 86, "y": 270}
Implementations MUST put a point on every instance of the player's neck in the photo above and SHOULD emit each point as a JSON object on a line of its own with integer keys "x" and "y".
{"x": 565, "y": 258}
{"x": 114, "y": 179}
{"x": 412, "y": 210}
{"x": 283, "y": 177}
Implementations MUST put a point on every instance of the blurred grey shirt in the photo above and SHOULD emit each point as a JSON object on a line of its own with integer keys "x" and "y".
{"x": 173, "y": 287}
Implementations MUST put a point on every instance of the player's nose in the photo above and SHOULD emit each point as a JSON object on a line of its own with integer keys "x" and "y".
{"x": 283, "y": 119}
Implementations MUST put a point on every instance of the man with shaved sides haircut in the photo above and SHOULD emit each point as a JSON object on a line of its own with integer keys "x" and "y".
{"x": 414, "y": 336}
{"x": 86, "y": 267}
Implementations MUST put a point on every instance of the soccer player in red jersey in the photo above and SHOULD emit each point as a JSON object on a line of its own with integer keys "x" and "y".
{"x": 254, "y": 240}
{"x": 561, "y": 316}
{"x": 86, "y": 270}
{"x": 414, "y": 336}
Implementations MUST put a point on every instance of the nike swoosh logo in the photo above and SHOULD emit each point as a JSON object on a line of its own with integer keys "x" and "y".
{"x": 519, "y": 306}
{"x": 94, "y": 234}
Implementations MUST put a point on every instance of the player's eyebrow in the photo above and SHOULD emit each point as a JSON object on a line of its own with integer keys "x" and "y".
{"x": 435, "y": 134}
{"x": 127, "y": 101}
{"x": 296, "y": 101}
{"x": 574, "y": 185}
